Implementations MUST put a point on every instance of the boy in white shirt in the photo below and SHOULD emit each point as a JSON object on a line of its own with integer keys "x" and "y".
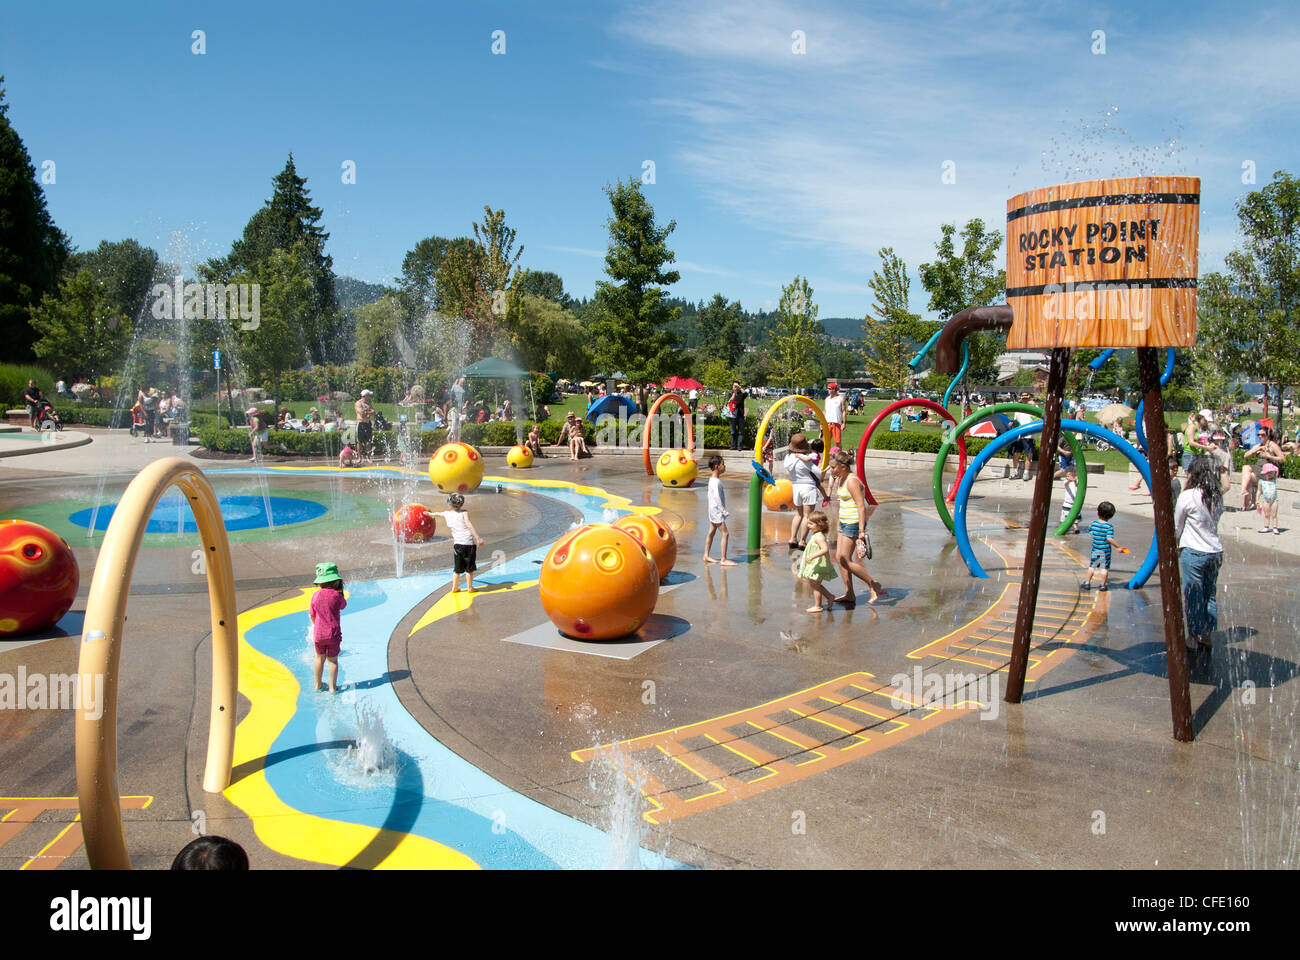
{"x": 717, "y": 511}
{"x": 465, "y": 542}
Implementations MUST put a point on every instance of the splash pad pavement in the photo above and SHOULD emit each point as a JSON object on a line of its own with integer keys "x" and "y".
{"x": 736, "y": 731}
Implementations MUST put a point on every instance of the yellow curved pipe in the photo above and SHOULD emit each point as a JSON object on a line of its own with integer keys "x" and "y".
{"x": 101, "y": 647}
{"x": 792, "y": 398}
{"x": 645, "y": 431}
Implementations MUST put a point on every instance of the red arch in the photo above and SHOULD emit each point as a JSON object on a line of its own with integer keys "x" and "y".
{"x": 645, "y": 429}
{"x": 898, "y": 405}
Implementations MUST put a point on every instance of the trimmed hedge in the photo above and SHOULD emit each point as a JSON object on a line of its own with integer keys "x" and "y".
{"x": 329, "y": 444}
{"x": 922, "y": 443}
{"x": 1290, "y": 467}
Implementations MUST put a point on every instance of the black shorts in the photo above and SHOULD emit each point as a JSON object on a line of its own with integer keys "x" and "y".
{"x": 465, "y": 555}
{"x": 365, "y": 432}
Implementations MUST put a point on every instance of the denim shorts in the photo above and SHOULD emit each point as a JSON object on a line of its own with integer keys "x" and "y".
{"x": 849, "y": 530}
{"x": 1067, "y": 463}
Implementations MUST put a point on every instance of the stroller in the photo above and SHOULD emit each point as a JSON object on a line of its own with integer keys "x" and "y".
{"x": 47, "y": 418}
{"x": 137, "y": 420}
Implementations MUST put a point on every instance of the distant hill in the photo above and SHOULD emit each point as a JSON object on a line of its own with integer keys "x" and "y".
{"x": 850, "y": 328}
{"x": 351, "y": 293}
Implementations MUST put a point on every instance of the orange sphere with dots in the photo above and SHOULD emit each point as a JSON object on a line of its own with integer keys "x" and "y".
{"x": 779, "y": 497}
{"x": 656, "y": 536}
{"x": 598, "y": 583}
{"x": 456, "y": 468}
{"x": 38, "y": 577}
{"x": 519, "y": 457}
{"x": 413, "y": 523}
{"x": 676, "y": 468}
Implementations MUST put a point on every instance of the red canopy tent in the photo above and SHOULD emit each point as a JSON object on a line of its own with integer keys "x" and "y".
{"x": 682, "y": 383}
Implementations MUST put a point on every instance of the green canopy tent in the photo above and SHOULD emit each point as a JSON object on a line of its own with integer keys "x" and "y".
{"x": 494, "y": 368}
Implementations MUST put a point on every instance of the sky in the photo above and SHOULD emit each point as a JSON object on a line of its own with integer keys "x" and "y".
{"x": 783, "y": 138}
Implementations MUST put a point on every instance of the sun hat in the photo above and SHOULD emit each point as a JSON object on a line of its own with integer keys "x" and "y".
{"x": 327, "y": 573}
{"x": 367, "y": 393}
{"x": 250, "y": 411}
{"x": 1206, "y": 413}
{"x": 798, "y": 443}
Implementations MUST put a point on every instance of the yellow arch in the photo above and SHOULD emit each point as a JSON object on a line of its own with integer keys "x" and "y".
{"x": 101, "y": 649}
{"x": 792, "y": 398}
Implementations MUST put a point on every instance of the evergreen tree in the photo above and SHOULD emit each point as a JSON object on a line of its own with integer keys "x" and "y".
{"x": 719, "y": 326}
{"x": 631, "y": 316}
{"x": 286, "y": 221}
{"x": 32, "y": 249}
{"x": 890, "y": 335}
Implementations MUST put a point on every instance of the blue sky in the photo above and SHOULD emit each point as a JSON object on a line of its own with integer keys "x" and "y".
{"x": 773, "y": 163}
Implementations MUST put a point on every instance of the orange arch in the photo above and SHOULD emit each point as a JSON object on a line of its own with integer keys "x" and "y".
{"x": 645, "y": 430}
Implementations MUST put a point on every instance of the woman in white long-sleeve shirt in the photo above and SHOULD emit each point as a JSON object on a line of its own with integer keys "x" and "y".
{"x": 1200, "y": 552}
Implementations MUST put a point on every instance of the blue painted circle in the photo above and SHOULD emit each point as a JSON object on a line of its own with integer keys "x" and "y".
{"x": 239, "y": 512}
{"x": 1011, "y": 436}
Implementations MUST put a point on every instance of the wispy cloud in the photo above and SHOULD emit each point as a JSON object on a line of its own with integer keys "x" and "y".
{"x": 842, "y": 149}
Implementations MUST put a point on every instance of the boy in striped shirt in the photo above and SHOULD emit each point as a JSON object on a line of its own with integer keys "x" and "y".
{"x": 1103, "y": 538}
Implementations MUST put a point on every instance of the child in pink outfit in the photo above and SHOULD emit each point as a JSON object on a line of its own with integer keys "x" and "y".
{"x": 327, "y": 631}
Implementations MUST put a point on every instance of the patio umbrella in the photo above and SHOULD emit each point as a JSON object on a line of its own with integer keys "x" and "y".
{"x": 682, "y": 383}
{"x": 1114, "y": 413}
{"x": 589, "y": 383}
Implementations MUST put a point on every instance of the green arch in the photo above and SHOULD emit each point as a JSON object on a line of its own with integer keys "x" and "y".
{"x": 951, "y": 435}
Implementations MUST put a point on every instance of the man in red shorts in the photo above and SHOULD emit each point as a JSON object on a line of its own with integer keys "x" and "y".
{"x": 835, "y": 413}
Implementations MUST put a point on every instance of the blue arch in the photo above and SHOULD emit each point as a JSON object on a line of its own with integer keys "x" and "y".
{"x": 1011, "y": 436}
{"x": 1100, "y": 361}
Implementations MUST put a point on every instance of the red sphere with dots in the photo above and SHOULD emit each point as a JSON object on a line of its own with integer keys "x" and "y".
{"x": 413, "y": 523}
{"x": 38, "y": 577}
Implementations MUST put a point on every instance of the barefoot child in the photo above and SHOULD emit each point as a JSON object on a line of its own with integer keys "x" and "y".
{"x": 327, "y": 632}
{"x": 1071, "y": 492}
{"x": 348, "y": 458}
{"x": 717, "y": 511}
{"x": 465, "y": 542}
{"x": 1103, "y": 538}
{"x": 817, "y": 567}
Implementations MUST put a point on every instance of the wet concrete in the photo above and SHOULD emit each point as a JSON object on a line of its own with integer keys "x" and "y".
{"x": 1084, "y": 773}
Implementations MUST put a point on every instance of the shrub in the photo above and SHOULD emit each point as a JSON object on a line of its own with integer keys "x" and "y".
{"x": 13, "y": 382}
{"x": 1290, "y": 466}
{"x": 922, "y": 443}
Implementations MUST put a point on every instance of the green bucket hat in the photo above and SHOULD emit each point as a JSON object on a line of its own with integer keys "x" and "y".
{"x": 327, "y": 572}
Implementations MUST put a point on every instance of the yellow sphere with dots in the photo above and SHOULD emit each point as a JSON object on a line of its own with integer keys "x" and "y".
{"x": 520, "y": 457}
{"x": 598, "y": 583}
{"x": 676, "y": 468}
{"x": 655, "y": 535}
{"x": 779, "y": 497}
{"x": 456, "y": 468}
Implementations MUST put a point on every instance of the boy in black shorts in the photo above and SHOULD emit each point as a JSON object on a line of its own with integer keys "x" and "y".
{"x": 465, "y": 542}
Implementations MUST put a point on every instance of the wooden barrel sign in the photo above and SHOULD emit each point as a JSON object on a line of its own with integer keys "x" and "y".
{"x": 1104, "y": 263}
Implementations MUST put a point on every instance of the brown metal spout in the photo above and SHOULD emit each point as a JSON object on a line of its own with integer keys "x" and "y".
{"x": 947, "y": 350}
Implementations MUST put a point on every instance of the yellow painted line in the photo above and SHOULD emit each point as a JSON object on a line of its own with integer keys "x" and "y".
{"x": 817, "y": 754}
{"x": 717, "y": 787}
{"x": 740, "y": 753}
{"x": 272, "y": 693}
{"x": 62, "y": 833}
{"x": 919, "y": 652}
{"x": 456, "y": 602}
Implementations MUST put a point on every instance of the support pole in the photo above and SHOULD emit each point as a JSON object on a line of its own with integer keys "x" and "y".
{"x": 1033, "y": 565}
{"x": 1171, "y": 591}
{"x": 755, "y": 514}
